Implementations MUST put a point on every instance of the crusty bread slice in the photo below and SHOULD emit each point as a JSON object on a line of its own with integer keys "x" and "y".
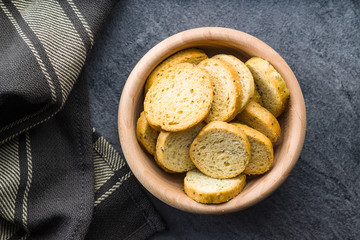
{"x": 262, "y": 153}
{"x": 181, "y": 101}
{"x": 190, "y": 55}
{"x": 244, "y": 76}
{"x": 270, "y": 84}
{"x": 260, "y": 119}
{"x": 220, "y": 150}
{"x": 227, "y": 90}
{"x": 205, "y": 189}
{"x": 146, "y": 135}
{"x": 172, "y": 149}
{"x": 256, "y": 97}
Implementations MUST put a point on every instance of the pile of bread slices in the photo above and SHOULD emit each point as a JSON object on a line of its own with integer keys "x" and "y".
{"x": 213, "y": 118}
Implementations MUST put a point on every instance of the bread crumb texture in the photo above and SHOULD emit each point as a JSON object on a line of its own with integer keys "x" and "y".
{"x": 245, "y": 77}
{"x": 227, "y": 90}
{"x": 271, "y": 86}
{"x": 205, "y": 189}
{"x": 173, "y": 149}
{"x": 181, "y": 100}
{"x": 260, "y": 119}
{"x": 190, "y": 55}
{"x": 262, "y": 154}
{"x": 220, "y": 150}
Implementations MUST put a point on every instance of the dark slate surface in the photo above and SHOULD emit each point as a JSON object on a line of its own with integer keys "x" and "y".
{"x": 321, "y": 43}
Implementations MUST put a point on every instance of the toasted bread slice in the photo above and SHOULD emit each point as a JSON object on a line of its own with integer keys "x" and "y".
{"x": 256, "y": 97}
{"x": 181, "y": 101}
{"x": 244, "y": 76}
{"x": 270, "y": 85}
{"x": 262, "y": 153}
{"x": 220, "y": 150}
{"x": 260, "y": 119}
{"x": 227, "y": 90}
{"x": 146, "y": 135}
{"x": 172, "y": 149}
{"x": 205, "y": 189}
{"x": 190, "y": 55}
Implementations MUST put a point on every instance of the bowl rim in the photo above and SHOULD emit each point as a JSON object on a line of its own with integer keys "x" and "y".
{"x": 171, "y": 45}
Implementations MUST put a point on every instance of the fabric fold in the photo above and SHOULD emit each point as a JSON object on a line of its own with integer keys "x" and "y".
{"x": 120, "y": 211}
{"x": 52, "y": 174}
{"x": 58, "y": 178}
{"x": 43, "y": 51}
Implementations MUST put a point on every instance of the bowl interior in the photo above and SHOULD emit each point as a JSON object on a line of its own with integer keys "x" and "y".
{"x": 169, "y": 187}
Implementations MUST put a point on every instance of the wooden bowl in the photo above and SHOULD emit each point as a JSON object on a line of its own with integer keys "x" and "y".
{"x": 169, "y": 187}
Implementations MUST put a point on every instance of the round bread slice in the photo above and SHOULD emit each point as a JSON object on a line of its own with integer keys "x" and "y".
{"x": 262, "y": 153}
{"x": 172, "y": 149}
{"x": 256, "y": 97}
{"x": 220, "y": 150}
{"x": 146, "y": 135}
{"x": 191, "y": 55}
{"x": 270, "y": 85}
{"x": 180, "y": 101}
{"x": 245, "y": 77}
{"x": 227, "y": 90}
{"x": 205, "y": 189}
{"x": 260, "y": 119}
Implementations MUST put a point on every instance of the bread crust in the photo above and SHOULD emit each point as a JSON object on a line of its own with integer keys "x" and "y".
{"x": 162, "y": 166}
{"x": 220, "y": 150}
{"x": 146, "y": 135}
{"x": 222, "y": 190}
{"x": 262, "y": 153}
{"x": 190, "y": 55}
{"x": 172, "y": 149}
{"x": 270, "y": 84}
{"x": 260, "y": 119}
{"x": 244, "y": 77}
{"x": 181, "y": 100}
{"x": 227, "y": 102}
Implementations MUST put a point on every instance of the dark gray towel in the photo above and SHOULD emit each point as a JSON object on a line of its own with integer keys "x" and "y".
{"x": 59, "y": 179}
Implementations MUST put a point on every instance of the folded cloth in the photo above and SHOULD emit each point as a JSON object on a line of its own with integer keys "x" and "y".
{"x": 59, "y": 179}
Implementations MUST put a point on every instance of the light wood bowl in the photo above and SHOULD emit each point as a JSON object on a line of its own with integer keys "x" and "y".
{"x": 169, "y": 187}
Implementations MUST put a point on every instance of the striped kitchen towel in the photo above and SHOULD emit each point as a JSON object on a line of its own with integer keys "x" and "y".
{"x": 59, "y": 179}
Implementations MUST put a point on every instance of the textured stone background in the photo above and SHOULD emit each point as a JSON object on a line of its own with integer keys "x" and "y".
{"x": 321, "y": 43}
